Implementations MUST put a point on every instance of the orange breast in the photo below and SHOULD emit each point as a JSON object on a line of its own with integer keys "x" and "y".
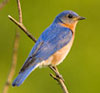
{"x": 71, "y": 26}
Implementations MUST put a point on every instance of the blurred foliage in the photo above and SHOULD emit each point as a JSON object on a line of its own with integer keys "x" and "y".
{"x": 81, "y": 68}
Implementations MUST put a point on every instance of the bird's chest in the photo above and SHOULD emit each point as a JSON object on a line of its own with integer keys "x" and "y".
{"x": 59, "y": 56}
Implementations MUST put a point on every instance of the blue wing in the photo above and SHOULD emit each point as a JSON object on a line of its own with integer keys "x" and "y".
{"x": 53, "y": 38}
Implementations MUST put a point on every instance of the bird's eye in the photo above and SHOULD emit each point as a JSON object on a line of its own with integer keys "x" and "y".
{"x": 70, "y": 16}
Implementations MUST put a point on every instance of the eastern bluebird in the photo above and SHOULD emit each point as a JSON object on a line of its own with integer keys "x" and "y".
{"x": 52, "y": 46}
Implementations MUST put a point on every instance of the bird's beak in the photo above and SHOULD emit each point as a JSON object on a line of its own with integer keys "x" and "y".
{"x": 80, "y": 18}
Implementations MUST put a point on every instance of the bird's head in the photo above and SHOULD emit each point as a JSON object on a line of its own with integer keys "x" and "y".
{"x": 68, "y": 19}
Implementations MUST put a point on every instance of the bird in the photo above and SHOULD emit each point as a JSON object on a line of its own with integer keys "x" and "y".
{"x": 52, "y": 46}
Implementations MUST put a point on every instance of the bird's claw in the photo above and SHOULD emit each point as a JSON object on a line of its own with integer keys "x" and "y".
{"x": 60, "y": 77}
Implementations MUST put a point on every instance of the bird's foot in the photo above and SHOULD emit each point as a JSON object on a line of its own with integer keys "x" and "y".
{"x": 60, "y": 77}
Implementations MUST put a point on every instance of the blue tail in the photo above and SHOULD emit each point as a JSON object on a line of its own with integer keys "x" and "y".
{"x": 23, "y": 75}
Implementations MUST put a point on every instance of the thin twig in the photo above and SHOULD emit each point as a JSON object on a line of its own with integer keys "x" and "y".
{"x": 15, "y": 53}
{"x": 58, "y": 77}
{"x": 21, "y": 26}
{"x": 55, "y": 70}
{"x": 13, "y": 66}
{"x": 19, "y": 11}
{"x": 3, "y": 3}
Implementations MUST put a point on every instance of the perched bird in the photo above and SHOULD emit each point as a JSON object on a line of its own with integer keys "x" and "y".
{"x": 52, "y": 46}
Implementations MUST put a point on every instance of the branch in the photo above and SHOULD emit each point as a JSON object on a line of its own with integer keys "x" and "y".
{"x": 21, "y": 26}
{"x": 15, "y": 53}
{"x": 58, "y": 78}
{"x": 19, "y": 11}
{"x": 13, "y": 66}
{"x": 3, "y": 3}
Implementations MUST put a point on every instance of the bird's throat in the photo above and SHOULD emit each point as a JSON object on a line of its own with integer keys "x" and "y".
{"x": 70, "y": 26}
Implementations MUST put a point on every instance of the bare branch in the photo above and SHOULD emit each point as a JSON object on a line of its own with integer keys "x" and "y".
{"x": 55, "y": 70}
{"x": 13, "y": 66}
{"x": 58, "y": 78}
{"x": 20, "y": 25}
{"x": 3, "y": 3}
{"x": 19, "y": 11}
{"x": 54, "y": 77}
{"x": 15, "y": 53}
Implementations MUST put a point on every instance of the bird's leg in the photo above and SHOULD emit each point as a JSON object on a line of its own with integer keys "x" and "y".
{"x": 58, "y": 74}
{"x": 55, "y": 70}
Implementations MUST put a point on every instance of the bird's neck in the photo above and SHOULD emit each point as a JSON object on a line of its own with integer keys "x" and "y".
{"x": 70, "y": 26}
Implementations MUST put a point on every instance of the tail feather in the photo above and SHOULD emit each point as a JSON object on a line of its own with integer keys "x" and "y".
{"x": 23, "y": 75}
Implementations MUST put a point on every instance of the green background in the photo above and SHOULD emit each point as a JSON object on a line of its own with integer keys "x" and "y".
{"x": 81, "y": 68}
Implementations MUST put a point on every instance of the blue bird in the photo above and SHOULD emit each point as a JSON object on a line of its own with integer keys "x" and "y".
{"x": 52, "y": 46}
